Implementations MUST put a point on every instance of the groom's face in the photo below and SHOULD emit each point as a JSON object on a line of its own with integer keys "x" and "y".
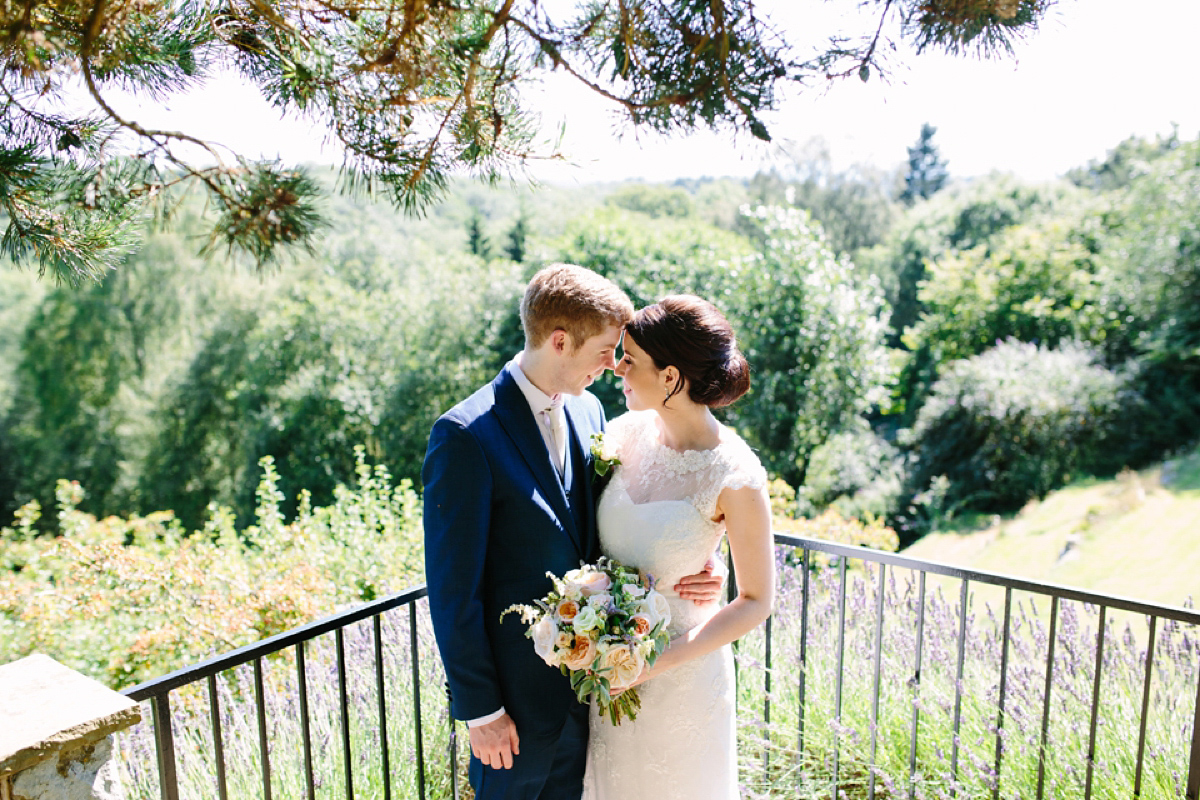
{"x": 589, "y": 361}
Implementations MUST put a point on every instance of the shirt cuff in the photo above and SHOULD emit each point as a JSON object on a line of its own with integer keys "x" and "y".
{"x": 492, "y": 717}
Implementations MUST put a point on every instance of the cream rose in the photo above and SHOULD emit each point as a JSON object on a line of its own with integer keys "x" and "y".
{"x": 582, "y": 654}
{"x": 622, "y": 665}
{"x": 600, "y": 602}
{"x": 591, "y": 583}
{"x": 545, "y": 634}
{"x": 656, "y": 608}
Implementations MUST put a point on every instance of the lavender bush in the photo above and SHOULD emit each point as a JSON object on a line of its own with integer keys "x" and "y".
{"x": 965, "y": 766}
{"x": 773, "y": 763}
{"x": 193, "y": 731}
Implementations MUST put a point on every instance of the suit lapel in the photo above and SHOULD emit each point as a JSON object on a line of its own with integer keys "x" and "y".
{"x": 578, "y": 481}
{"x": 519, "y": 423}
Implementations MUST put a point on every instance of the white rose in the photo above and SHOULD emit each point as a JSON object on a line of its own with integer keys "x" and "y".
{"x": 586, "y": 620}
{"x": 656, "y": 607}
{"x": 544, "y": 634}
{"x": 622, "y": 665}
{"x": 633, "y": 590}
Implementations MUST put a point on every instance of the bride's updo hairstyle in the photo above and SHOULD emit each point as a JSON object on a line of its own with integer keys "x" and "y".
{"x": 690, "y": 334}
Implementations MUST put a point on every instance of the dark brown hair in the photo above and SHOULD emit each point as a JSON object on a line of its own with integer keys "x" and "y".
{"x": 690, "y": 334}
{"x": 575, "y": 299}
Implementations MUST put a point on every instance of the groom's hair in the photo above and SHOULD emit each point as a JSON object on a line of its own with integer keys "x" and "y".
{"x": 575, "y": 299}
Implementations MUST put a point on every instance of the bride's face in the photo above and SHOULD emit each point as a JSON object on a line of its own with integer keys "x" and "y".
{"x": 643, "y": 384}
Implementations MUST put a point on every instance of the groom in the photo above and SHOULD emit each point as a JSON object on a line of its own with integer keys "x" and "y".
{"x": 508, "y": 498}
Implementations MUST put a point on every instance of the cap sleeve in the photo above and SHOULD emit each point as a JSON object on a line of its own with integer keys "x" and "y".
{"x": 745, "y": 471}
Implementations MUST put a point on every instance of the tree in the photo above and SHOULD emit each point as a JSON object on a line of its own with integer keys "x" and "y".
{"x": 517, "y": 245}
{"x": 1124, "y": 163}
{"x": 412, "y": 90}
{"x": 478, "y": 243}
{"x": 855, "y": 206}
{"x": 812, "y": 332}
{"x": 927, "y": 172}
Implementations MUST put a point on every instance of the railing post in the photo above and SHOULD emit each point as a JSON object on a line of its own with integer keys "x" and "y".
{"x": 1041, "y": 780}
{"x": 416, "y": 684}
{"x": 453, "y": 747}
{"x": 1193, "y": 781}
{"x": 164, "y": 746}
{"x": 841, "y": 665}
{"x": 767, "y": 704}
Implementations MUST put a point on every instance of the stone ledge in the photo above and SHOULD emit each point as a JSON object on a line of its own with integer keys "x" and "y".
{"x": 46, "y": 708}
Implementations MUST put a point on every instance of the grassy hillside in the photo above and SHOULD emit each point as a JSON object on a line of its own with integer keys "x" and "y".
{"x": 1137, "y": 535}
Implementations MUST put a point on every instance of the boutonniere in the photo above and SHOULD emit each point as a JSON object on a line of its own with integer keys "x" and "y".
{"x": 604, "y": 458}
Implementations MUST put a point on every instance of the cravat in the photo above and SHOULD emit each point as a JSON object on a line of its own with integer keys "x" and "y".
{"x": 555, "y": 420}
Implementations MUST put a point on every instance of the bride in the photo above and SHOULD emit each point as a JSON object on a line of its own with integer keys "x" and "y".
{"x": 684, "y": 480}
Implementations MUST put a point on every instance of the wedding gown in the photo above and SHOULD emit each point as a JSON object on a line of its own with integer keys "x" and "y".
{"x": 656, "y": 514}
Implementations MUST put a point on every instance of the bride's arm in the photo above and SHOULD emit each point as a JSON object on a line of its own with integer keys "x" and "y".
{"x": 747, "y": 514}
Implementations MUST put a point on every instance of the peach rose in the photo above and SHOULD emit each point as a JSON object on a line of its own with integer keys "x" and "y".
{"x": 566, "y": 610}
{"x": 622, "y": 665}
{"x": 641, "y": 624}
{"x": 581, "y": 654}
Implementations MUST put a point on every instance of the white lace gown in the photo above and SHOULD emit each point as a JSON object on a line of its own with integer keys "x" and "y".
{"x": 657, "y": 514}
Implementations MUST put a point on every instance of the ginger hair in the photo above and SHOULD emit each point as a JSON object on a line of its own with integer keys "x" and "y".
{"x": 573, "y": 298}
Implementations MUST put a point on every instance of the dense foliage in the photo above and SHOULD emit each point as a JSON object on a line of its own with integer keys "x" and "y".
{"x": 811, "y": 329}
{"x": 1002, "y": 338}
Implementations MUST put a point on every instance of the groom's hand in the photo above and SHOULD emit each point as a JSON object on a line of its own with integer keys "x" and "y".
{"x": 496, "y": 743}
{"x": 703, "y": 587}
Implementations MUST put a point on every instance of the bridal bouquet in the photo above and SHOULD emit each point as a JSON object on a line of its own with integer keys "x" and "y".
{"x": 601, "y": 625}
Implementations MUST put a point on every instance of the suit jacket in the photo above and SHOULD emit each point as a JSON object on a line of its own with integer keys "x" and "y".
{"x": 497, "y": 518}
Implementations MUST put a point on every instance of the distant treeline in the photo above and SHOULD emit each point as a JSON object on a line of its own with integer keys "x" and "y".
{"x": 968, "y": 351}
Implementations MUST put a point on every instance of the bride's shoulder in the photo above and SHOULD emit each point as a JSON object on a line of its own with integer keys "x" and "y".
{"x": 742, "y": 465}
{"x": 628, "y": 426}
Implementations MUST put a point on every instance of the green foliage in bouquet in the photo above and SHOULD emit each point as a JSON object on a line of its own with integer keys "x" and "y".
{"x": 601, "y": 625}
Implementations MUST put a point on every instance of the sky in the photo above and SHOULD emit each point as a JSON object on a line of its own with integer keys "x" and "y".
{"x": 1096, "y": 72}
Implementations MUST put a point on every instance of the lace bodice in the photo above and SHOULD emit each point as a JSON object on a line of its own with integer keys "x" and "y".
{"x": 657, "y": 514}
{"x": 652, "y": 472}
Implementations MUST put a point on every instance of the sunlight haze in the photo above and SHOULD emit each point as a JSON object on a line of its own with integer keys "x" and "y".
{"x": 1097, "y": 72}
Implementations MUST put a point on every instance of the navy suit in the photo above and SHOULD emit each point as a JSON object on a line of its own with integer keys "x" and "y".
{"x": 498, "y": 517}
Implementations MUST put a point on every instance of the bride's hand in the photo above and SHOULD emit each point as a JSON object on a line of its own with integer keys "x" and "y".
{"x": 704, "y": 587}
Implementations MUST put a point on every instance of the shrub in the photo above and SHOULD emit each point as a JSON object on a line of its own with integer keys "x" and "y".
{"x": 1014, "y": 423}
{"x": 123, "y": 600}
{"x": 855, "y": 471}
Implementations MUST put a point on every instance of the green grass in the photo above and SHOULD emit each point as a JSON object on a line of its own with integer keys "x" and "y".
{"x": 1136, "y": 535}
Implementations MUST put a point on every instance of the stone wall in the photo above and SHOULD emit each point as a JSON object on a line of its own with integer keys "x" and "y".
{"x": 55, "y": 733}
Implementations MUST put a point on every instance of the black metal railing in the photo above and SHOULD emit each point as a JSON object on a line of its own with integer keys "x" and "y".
{"x": 1183, "y": 671}
{"x": 819, "y": 719}
{"x": 158, "y": 693}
